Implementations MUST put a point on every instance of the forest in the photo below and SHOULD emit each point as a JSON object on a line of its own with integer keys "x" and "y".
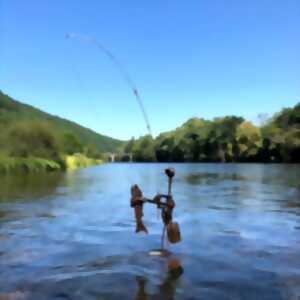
{"x": 32, "y": 140}
{"x": 224, "y": 139}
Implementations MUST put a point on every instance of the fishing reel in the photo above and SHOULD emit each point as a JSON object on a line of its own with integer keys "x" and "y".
{"x": 165, "y": 202}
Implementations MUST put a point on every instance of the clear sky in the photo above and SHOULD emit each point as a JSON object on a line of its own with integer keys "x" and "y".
{"x": 202, "y": 58}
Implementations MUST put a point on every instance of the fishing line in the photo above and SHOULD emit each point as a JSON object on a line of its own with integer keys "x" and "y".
{"x": 123, "y": 72}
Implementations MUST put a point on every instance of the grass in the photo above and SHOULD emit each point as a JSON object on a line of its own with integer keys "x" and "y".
{"x": 80, "y": 161}
{"x": 15, "y": 165}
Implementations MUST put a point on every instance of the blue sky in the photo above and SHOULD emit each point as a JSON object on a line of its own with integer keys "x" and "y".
{"x": 202, "y": 58}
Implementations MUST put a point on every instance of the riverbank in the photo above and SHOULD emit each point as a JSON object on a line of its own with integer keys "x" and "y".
{"x": 80, "y": 161}
{"x": 14, "y": 165}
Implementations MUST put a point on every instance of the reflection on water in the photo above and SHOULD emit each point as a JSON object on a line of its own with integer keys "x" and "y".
{"x": 166, "y": 290}
{"x": 71, "y": 236}
{"x": 29, "y": 186}
{"x": 211, "y": 178}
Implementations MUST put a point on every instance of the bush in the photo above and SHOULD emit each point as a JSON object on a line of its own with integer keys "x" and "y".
{"x": 25, "y": 139}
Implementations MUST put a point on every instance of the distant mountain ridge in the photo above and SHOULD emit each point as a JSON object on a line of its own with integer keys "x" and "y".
{"x": 12, "y": 110}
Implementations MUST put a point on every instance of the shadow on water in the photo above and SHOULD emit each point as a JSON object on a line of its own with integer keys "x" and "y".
{"x": 237, "y": 185}
{"x": 29, "y": 186}
{"x": 211, "y": 178}
{"x": 256, "y": 173}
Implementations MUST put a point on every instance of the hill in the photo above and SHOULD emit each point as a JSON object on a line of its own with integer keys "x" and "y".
{"x": 13, "y": 112}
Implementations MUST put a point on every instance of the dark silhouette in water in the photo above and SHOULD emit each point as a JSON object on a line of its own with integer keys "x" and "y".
{"x": 167, "y": 288}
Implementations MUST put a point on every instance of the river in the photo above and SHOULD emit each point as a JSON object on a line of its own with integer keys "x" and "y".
{"x": 71, "y": 236}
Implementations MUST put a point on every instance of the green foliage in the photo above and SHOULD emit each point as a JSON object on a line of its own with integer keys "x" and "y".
{"x": 227, "y": 139}
{"x": 80, "y": 161}
{"x": 24, "y": 139}
{"x": 143, "y": 149}
{"x": 32, "y": 141}
{"x": 129, "y": 146}
{"x": 249, "y": 142}
{"x": 13, "y": 112}
{"x": 289, "y": 117}
{"x": 91, "y": 150}
{"x": 71, "y": 144}
{"x": 9, "y": 165}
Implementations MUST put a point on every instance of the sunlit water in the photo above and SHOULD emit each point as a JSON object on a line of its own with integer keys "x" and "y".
{"x": 71, "y": 236}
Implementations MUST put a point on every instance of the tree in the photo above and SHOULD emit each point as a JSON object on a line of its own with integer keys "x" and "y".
{"x": 129, "y": 146}
{"x": 225, "y": 139}
{"x": 32, "y": 139}
{"x": 71, "y": 143}
{"x": 143, "y": 149}
{"x": 249, "y": 141}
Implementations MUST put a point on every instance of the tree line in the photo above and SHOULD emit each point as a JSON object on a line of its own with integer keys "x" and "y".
{"x": 225, "y": 139}
{"x": 27, "y": 131}
{"x": 33, "y": 140}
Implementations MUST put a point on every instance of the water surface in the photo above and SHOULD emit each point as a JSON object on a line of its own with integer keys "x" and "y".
{"x": 71, "y": 236}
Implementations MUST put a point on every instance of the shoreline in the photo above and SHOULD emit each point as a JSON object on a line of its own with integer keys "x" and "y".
{"x": 19, "y": 165}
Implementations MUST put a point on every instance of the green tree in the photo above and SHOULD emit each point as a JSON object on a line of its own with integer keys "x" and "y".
{"x": 71, "y": 143}
{"x": 249, "y": 141}
{"x": 143, "y": 149}
{"x": 32, "y": 139}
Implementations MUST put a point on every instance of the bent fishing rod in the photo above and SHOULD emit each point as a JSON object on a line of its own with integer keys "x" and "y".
{"x": 123, "y": 72}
